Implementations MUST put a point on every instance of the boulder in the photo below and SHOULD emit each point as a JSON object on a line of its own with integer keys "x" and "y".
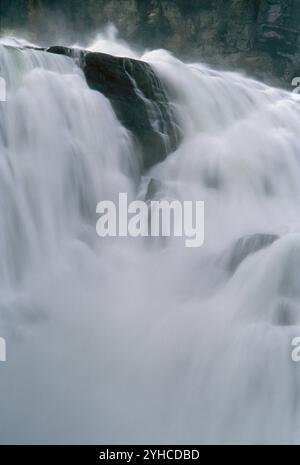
{"x": 246, "y": 246}
{"x": 137, "y": 96}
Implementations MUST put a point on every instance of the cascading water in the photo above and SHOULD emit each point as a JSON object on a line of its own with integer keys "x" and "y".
{"x": 117, "y": 341}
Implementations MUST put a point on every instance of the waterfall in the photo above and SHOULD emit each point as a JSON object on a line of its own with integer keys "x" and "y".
{"x": 144, "y": 341}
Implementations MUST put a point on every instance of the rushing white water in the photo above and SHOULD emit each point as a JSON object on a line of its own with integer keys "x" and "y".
{"x": 129, "y": 341}
{"x": 108, "y": 41}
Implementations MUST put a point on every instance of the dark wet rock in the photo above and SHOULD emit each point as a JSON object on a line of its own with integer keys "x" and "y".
{"x": 155, "y": 189}
{"x": 246, "y": 246}
{"x": 137, "y": 96}
{"x": 286, "y": 313}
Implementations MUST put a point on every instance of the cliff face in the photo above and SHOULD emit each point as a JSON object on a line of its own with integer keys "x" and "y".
{"x": 258, "y": 36}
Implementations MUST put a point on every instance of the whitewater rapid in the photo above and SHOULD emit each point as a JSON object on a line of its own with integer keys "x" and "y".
{"x": 142, "y": 340}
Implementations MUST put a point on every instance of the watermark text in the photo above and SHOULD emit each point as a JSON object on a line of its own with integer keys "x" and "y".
{"x": 158, "y": 219}
{"x": 2, "y": 90}
{"x": 2, "y": 350}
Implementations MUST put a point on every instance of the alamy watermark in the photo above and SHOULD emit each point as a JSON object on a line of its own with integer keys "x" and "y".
{"x": 2, "y": 90}
{"x": 296, "y": 85}
{"x": 156, "y": 219}
{"x": 295, "y": 354}
{"x": 2, "y": 350}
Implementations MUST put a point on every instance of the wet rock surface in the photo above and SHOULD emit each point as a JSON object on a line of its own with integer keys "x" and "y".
{"x": 137, "y": 96}
{"x": 246, "y": 246}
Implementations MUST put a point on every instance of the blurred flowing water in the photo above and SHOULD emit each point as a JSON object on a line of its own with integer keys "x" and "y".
{"x": 142, "y": 340}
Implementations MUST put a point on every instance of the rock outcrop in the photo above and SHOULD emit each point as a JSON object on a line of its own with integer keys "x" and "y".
{"x": 246, "y": 246}
{"x": 137, "y": 96}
